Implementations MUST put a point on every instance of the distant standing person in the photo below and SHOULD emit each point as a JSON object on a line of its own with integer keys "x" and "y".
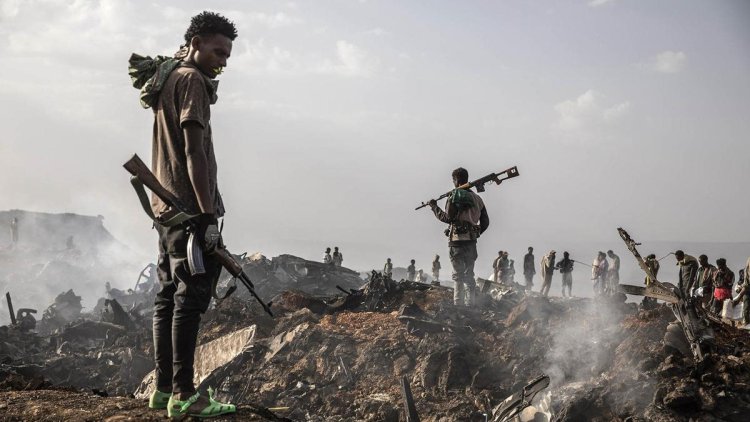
{"x": 13, "y": 232}
{"x": 599, "y": 273}
{"x": 436, "y": 268}
{"x": 743, "y": 288}
{"x": 704, "y": 281}
{"x": 338, "y": 257}
{"x": 411, "y": 271}
{"x": 613, "y": 274}
{"x": 688, "y": 271}
{"x": 327, "y": 258}
{"x": 566, "y": 269}
{"x": 528, "y": 268}
{"x": 723, "y": 280}
{"x": 653, "y": 264}
{"x": 388, "y": 268}
{"x": 547, "y": 268}
{"x": 496, "y": 265}
{"x": 467, "y": 219}
{"x": 421, "y": 276}
{"x": 510, "y": 273}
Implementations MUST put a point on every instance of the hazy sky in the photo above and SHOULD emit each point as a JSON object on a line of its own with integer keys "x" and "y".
{"x": 336, "y": 118}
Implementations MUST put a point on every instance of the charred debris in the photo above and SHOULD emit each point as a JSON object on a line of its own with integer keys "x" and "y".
{"x": 343, "y": 347}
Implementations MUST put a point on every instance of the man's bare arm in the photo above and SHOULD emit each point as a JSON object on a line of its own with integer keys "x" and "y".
{"x": 197, "y": 165}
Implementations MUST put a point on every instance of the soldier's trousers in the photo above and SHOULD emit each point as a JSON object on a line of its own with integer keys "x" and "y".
{"x": 463, "y": 256}
{"x": 178, "y": 306}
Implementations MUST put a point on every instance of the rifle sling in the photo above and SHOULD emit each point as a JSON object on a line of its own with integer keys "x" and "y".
{"x": 168, "y": 219}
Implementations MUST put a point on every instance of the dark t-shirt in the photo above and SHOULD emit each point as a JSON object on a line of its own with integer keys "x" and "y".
{"x": 184, "y": 98}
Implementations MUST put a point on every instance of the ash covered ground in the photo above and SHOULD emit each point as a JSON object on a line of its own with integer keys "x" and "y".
{"x": 340, "y": 347}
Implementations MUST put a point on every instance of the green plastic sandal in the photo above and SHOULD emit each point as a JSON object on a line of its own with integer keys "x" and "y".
{"x": 159, "y": 400}
{"x": 180, "y": 408}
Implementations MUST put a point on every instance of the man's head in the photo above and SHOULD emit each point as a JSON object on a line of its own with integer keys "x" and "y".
{"x": 531, "y": 249}
{"x": 209, "y": 39}
{"x": 651, "y": 257}
{"x": 499, "y": 253}
{"x": 412, "y": 261}
{"x": 328, "y": 250}
{"x": 388, "y": 260}
{"x": 601, "y": 255}
{"x": 721, "y": 263}
{"x": 680, "y": 255}
{"x": 566, "y": 254}
{"x": 335, "y": 248}
{"x": 703, "y": 260}
{"x": 460, "y": 176}
{"x": 610, "y": 253}
{"x": 552, "y": 253}
{"x": 437, "y": 257}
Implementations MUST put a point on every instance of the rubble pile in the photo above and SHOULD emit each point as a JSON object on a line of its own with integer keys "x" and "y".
{"x": 343, "y": 354}
{"x": 288, "y": 272}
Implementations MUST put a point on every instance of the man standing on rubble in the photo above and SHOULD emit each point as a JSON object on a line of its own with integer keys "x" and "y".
{"x": 411, "y": 271}
{"x": 327, "y": 258}
{"x": 496, "y": 266}
{"x": 184, "y": 162}
{"x": 388, "y": 268}
{"x": 704, "y": 281}
{"x": 743, "y": 290}
{"x": 13, "y": 232}
{"x": 528, "y": 268}
{"x": 338, "y": 257}
{"x": 653, "y": 264}
{"x": 566, "y": 269}
{"x": 723, "y": 279}
{"x": 599, "y": 273}
{"x": 613, "y": 274}
{"x": 467, "y": 219}
{"x": 547, "y": 268}
{"x": 436, "y": 269}
{"x": 688, "y": 270}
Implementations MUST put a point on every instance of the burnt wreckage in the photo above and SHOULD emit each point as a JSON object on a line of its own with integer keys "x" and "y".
{"x": 341, "y": 348}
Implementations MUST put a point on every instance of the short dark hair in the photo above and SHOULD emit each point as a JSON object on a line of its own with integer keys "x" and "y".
{"x": 705, "y": 257}
{"x": 679, "y": 253}
{"x": 461, "y": 175}
{"x": 721, "y": 262}
{"x": 210, "y": 23}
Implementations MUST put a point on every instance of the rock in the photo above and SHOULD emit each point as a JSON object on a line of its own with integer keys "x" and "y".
{"x": 684, "y": 396}
{"x": 708, "y": 402}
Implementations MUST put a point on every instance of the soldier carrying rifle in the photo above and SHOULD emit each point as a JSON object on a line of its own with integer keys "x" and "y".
{"x": 467, "y": 218}
{"x": 181, "y": 91}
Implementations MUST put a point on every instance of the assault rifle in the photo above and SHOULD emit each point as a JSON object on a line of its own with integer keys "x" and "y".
{"x": 479, "y": 183}
{"x": 177, "y": 214}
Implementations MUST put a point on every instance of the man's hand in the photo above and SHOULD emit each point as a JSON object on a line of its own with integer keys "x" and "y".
{"x": 207, "y": 231}
{"x": 432, "y": 203}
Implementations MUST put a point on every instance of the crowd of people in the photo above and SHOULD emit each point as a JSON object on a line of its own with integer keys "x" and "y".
{"x": 711, "y": 284}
